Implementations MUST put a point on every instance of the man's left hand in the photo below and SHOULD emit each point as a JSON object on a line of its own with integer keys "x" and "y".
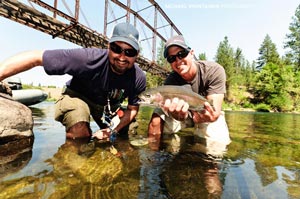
{"x": 206, "y": 115}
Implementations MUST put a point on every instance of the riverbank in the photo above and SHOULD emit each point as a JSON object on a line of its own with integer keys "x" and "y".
{"x": 53, "y": 93}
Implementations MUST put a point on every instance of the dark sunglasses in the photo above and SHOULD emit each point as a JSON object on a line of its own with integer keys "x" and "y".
{"x": 117, "y": 49}
{"x": 181, "y": 54}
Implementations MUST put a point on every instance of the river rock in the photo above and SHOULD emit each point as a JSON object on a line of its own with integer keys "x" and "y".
{"x": 16, "y": 124}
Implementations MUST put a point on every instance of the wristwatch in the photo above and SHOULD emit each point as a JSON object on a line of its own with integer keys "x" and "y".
{"x": 114, "y": 132}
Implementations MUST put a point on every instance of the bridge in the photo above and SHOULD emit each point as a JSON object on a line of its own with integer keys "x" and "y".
{"x": 55, "y": 21}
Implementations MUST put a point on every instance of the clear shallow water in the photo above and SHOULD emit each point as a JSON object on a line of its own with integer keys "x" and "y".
{"x": 262, "y": 161}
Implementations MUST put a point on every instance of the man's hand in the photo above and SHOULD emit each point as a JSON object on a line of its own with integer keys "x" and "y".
{"x": 102, "y": 134}
{"x": 208, "y": 114}
{"x": 177, "y": 108}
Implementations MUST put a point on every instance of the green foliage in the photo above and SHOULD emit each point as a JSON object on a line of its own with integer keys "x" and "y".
{"x": 225, "y": 57}
{"x": 30, "y": 86}
{"x": 293, "y": 40}
{"x": 202, "y": 56}
{"x": 153, "y": 80}
{"x": 273, "y": 84}
{"x": 267, "y": 53}
{"x": 262, "y": 108}
{"x": 161, "y": 61}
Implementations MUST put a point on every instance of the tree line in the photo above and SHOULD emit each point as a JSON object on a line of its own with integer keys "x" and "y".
{"x": 270, "y": 83}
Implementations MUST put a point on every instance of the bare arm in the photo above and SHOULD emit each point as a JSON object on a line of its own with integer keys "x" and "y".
{"x": 129, "y": 115}
{"x": 20, "y": 63}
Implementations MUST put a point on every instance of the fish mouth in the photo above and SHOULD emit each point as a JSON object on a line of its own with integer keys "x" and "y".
{"x": 143, "y": 100}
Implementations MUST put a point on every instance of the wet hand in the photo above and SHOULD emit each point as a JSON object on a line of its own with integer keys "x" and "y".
{"x": 102, "y": 134}
{"x": 206, "y": 115}
{"x": 178, "y": 108}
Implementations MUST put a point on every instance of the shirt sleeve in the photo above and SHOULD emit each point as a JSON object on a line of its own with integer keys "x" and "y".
{"x": 216, "y": 80}
{"x": 72, "y": 61}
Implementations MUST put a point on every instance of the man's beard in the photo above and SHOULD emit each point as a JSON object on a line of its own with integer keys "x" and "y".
{"x": 118, "y": 70}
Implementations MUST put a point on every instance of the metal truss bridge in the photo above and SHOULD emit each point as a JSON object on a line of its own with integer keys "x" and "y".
{"x": 57, "y": 19}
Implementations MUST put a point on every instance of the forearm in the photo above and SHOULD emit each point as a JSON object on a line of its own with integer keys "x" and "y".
{"x": 129, "y": 115}
{"x": 19, "y": 63}
{"x": 217, "y": 100}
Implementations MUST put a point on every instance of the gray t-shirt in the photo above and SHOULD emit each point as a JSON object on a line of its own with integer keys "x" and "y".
{"x": 210, "y": 79}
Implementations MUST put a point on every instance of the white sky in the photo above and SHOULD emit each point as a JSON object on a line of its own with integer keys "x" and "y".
{"x": 204, "y": 24}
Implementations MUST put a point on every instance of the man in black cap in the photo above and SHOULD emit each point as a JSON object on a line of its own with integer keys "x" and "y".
{"x": 203, "y": 77}
{"x": 101, "y": 80}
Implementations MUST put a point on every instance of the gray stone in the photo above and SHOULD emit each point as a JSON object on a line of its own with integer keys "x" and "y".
{"x": 15, "y": 119}
{"x": 16, "y": 124}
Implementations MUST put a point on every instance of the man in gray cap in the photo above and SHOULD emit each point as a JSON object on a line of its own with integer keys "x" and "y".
{"x": 203, "y": 77}
{"x": 101, "y": 80}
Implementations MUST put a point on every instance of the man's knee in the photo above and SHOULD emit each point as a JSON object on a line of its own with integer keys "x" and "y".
{"x": 156, "y": 124}
{"x": 79, "y": 130}
{"x": 155, "y": 120}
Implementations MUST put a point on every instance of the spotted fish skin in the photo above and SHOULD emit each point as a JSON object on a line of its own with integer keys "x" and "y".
{"x": 157, "y": 96}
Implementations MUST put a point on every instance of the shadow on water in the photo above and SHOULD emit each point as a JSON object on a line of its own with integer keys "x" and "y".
{"x": 261, "y": 162}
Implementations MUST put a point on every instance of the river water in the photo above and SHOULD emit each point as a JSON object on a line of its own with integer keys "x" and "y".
{"x": 262, "y": 161}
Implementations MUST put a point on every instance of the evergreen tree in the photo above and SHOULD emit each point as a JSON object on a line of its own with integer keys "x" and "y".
{"x": 293, "y": 40}
{"x": 225, "y": 57}
{"x": 267, "y": 53}
{"x": 238, "y": 61}
{"x": 202, "y": 56}
{"x": 160, "y": 60}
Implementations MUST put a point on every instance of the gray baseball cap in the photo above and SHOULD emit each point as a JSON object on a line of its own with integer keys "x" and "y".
{"x": 177, "y": 40}
{"x": 127, "y": 33}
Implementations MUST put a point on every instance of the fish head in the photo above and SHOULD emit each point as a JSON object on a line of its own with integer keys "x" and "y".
{"x": 150, "y": 98}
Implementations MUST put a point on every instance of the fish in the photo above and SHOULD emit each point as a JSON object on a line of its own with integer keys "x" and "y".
{"x": 157, "y": 96}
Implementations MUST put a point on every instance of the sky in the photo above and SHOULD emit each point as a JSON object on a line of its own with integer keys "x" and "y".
{"x": 203, "y": 23}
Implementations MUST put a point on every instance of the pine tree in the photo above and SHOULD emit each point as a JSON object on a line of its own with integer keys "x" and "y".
{"x": 202, "y": 56}
{"x": 267, "y": 53}
{"x": 160, "y": 60}
{"x": 293, "y": 40}
{"x": 238, "y": 61}
{"x": 225, "y": 57}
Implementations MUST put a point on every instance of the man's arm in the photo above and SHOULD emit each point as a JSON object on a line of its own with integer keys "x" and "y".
{"x": 20, "y": 62}
{"x": 129, "y": 115}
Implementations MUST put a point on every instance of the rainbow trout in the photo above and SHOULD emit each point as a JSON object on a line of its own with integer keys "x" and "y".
{"x": 157, "y": 96}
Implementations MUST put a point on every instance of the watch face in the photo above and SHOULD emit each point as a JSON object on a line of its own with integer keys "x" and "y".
{"x": 115, "y": 121}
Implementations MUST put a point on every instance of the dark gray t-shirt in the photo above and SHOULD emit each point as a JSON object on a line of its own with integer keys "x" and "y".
{"x": 210, "y": 79}
{"x": 92, "y": 76}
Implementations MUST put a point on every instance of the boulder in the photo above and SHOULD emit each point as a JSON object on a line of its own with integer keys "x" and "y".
{"x": 15, "y": 119}
{"x": 16, "y": 124}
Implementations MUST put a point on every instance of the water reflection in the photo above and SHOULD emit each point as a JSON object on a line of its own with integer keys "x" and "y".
{"x": 191, "y": 169}
{"x": 266, "y": 141}
{"x": 262, "y": 161}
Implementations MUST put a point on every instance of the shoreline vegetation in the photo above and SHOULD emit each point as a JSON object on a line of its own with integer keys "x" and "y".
{"x": 234, "y": 105}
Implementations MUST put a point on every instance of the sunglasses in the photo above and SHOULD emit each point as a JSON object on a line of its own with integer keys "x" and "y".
{"x": 118, "y": 50}
{"x": 181, "y": 54}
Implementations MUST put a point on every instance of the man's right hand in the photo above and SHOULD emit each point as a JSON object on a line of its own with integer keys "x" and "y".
{"x": 102, "y": 134}
{"x": 177, "y": 108}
